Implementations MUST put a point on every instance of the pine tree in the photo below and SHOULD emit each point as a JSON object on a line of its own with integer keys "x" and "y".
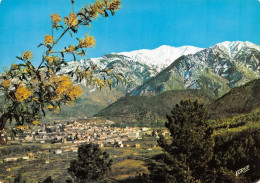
{"x": 91, "y": 165}
{"x": 190, "y": 147}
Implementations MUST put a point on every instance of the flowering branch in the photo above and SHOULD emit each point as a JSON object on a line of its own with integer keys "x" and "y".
{"x": 30, "y": 90}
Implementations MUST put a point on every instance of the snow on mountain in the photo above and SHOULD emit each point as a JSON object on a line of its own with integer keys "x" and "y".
{"x": 159, "y": 58}
{"x": 139, "y": 65}
{"x": 233, "y": 47}
{"x": 130, "y": 68}
{"x": 162, "y": 56}
{"x": 216, "y": 70}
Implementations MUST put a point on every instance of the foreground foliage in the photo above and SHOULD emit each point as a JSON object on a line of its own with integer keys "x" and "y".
{"x": 190, "y": 147}
{"x": 30, "y": 91}
{"x": 194, "y": 154}
{"x": 92, "y": 164}
{"x": 234, "y": 151}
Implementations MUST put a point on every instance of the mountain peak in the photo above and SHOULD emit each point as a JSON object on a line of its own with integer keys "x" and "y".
{"x": 162, "y": 56}
{"x": 233, "y": 47}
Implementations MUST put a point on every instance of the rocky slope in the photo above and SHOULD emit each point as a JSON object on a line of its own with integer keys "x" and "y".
{"x": 136, "y": 68}
{"x": 216, "y": 70}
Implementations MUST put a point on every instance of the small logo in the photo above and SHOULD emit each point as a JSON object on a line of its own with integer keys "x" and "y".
{"x": 243, "y": 170}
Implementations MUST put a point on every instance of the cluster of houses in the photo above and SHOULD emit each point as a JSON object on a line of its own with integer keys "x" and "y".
{"x": 81, "y": 132}
{"x": 71, "y": 134}
{"x": 78, "y": 132}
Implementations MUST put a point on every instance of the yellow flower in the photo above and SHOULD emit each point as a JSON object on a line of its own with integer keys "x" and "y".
{"x": 89, "y": 73}
{"x": 69, "y": 103}
{"x": 36, "y": 99}
{"x": 36, "y": 122}
{"x": 56, "y": 59}
{"x": 56, "y": 18}
{"x": 98, "y": 7}
{"x": 100, "y": 82}
{"x": 25, "y": 70}
{"x": 27, "y": 55}
{"x": 49, "y": 107}
{"x": 22, "y": 93}
{"x": 66, "y": 88}
{"x": 6, "y": 83}
{"x": 14, "y": 66}
{"x": 50, "y": 59}
{"x": 57, "y": 110}
{"x": 35, "y": 80}
{"x": 72, "y": 21}
{"x": 22, "y": 127}
{"x": 48, "y": 39}
{"x": 87, "y": 42}
{"x": 75, "y": 91}
{"x": 109, "y": 81}
{"x": 114, "y": 5}
{"x": 71, "y": 48}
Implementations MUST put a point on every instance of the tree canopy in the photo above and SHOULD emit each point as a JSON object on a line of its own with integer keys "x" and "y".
{"x": 190, "y": 146}
{"x": 92, "y": 164}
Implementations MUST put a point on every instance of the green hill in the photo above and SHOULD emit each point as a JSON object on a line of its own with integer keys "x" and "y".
{"x": 150, "y": 108}
{"x": 239, "y": 100}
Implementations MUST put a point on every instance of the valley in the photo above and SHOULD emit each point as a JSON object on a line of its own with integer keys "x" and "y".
{"x": 130, "y": 148}
{"x": 127, "y": 119}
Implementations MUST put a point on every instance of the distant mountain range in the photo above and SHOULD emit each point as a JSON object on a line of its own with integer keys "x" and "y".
{"x": 139, "y": 66}
{"x": 214, "y": 70}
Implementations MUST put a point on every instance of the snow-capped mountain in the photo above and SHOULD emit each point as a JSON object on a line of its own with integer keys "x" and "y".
{"x": 139, "y": 65}
{"x": 233, "y": 47}
{"x": 138, "y": 68}
{"x": 94, "y": 99}
{"x": 131, "y": 68}
{"x": 162, "y": 56}
{"x": 216, "y": 69}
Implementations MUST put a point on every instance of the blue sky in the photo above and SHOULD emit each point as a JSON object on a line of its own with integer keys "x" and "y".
{"x": 139, "y": 24}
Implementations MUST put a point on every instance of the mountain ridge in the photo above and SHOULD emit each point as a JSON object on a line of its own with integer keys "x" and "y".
{"x": 212, "y": 69}
{"x": 161, "y": 56}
